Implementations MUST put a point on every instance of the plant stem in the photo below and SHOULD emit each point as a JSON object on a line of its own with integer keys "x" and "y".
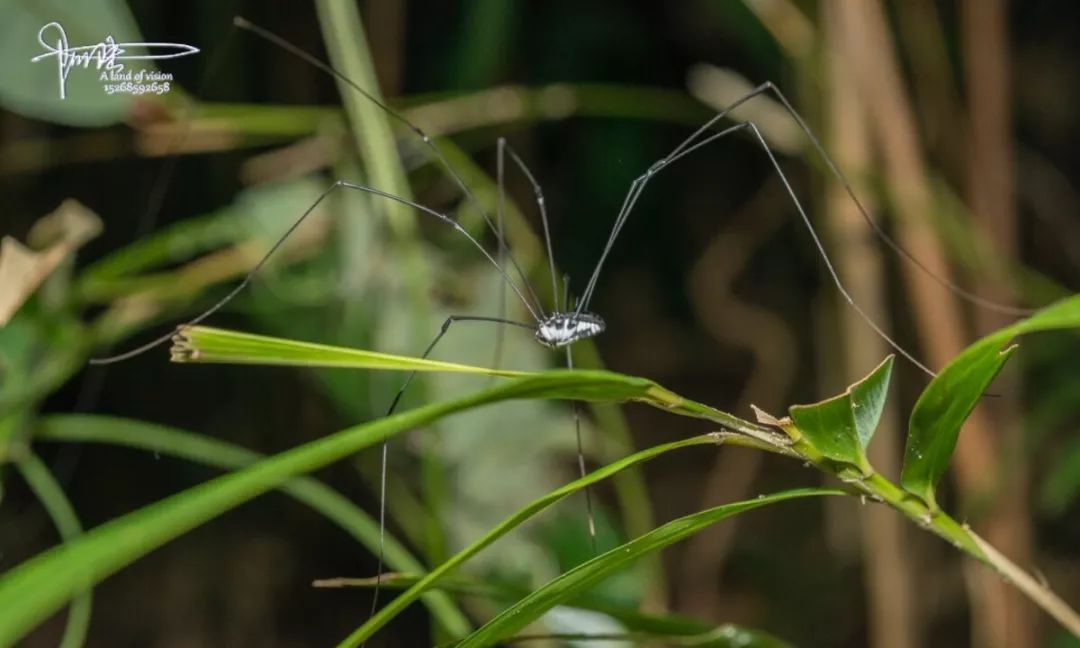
{"x": 56, "y": 504}
{"x": 963, "y": 538}
{"x": 1023, "y": 581}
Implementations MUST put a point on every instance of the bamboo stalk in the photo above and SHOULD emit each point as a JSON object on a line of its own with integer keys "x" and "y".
{"x": 886, "y": 546}
{"x": 1010, "y": 619}
{"x": 937, "y": 315}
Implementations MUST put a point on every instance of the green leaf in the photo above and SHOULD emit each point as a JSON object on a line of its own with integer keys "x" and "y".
{"x": 841, "y": 427}
{"x": 35, "y": 589}
{"x": 204, "y": 345}
{"x": 87, "y": 428}
{"x": 949, "y": 398}
{"x": 201, "y": 344}
{"x": 38, "y": 587}
{"x": 35, "y": 359}
{"x": 566, "y": 587}
{"x": 246, "y": 228}
{"x": 1061, "y": 484}
{"x": 395, "y": 607}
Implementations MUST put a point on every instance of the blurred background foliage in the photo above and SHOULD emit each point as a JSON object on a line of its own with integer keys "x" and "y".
{"x": 952, "y": 118}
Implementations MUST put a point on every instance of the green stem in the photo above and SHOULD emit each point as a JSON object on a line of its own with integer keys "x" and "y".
{"x": 1023, "y": 581}
{"x": 56, "y": 504}
{"x": 963, "y": 538}
{"x": 936, "y": 521}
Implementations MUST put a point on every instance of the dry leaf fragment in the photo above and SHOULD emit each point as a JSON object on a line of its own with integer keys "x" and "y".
{"x": 22, "y": 269}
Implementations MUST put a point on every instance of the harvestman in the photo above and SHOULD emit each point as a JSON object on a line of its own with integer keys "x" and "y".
{"x": 561, "y": 328}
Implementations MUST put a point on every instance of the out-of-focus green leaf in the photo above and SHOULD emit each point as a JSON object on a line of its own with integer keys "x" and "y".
{"x": 1061, "y": 486}
{"x": 260, "y": 214}
{"x": 490, "y": 27}
{"x": 84, "y": 428}
{"x": 20, "y": 347}
{"x": 568, "y": 586}
{"x": 36, "y": 359}
{"x": 841, "y": 427}
{"x": 946, "y": 403}
{"x": 33, "y": 89}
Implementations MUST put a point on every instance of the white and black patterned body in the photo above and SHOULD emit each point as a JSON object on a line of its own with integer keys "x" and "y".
{"x": 559, "y": 329}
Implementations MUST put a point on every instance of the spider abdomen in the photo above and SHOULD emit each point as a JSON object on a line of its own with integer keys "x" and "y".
{"x": 560, "y": 329}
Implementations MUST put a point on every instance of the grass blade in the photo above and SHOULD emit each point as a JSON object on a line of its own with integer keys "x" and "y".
{"x": 202, "y": 344}
{"x": 337, "y": 508}
{"x": 38, "y": 587}
{"x": 396, "y": 606}
{"x": 205, "y": 345}
{"x": 579, "y": 579}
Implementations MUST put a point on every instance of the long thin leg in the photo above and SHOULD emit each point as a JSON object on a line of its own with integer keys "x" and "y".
{"x": 577, "y": 428}
{"x": 638, "y": 185}
{"x": 538, "y": 192}
{"x": 385, "y": 446}
{"x": 340, "y": 184}
{"x": 503, "y": 147}
{"x": 273, "y": 38}
{"x": 684, "y": 150}
{"x": 636, "y": 188}
{"x": 91, "y": 386}
{"x": 500, "y": 205}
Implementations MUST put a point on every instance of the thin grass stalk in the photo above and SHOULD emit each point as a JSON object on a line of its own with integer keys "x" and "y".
{"x": 58, "y": 506}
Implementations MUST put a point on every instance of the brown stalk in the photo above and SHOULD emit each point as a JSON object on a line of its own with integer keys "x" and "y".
{"x": 886, "y": 539}
{"x": 991, "y": 198}
{"x": 938, "y": 316}
{"x": 924, "y": 42}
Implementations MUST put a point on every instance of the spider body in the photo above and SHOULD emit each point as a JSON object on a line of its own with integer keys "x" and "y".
{"x": 560, "y": 329}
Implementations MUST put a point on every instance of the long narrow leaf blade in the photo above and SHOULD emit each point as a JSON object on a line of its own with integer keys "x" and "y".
{"x": 946, "y": 403}
{"x": 206, "y": 345}
{"x": 577, "y": 580}
{"x": 436, "y": 575}
{"x": 200, "y": 344}
{"x": 37, "y": 588}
